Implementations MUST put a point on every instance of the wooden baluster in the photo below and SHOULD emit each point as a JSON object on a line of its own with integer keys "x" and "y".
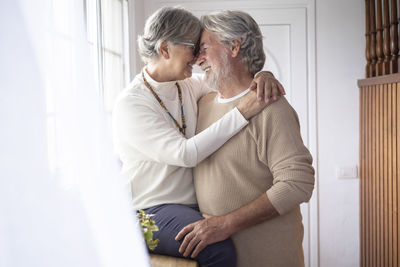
{"x": 367, "y": 39}
{"x": 373, "y": 39}
{"x": 394, "y": 43}
{"x": 386, "y": 38}
{"x": 379, "y": 38}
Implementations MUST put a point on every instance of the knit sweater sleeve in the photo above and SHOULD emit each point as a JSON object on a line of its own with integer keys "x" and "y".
{"x": 287, "y": 158}
{"x": 137, "y": 123}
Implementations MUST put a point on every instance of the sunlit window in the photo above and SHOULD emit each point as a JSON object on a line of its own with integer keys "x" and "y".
{"x": 107, "y": 29}
{"x": 107, "y": 36}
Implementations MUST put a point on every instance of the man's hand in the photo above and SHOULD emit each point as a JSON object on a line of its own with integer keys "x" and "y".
{"x": 217, "y": 228}
{"x": 268, "y": 88}
{"x": 199, "y": 234}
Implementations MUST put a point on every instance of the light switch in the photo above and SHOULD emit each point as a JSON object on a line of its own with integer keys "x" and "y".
{"x": 347, "y": 172}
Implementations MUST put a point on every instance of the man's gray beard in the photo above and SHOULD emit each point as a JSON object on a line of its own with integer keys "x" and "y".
{"x": 215, "y": 78}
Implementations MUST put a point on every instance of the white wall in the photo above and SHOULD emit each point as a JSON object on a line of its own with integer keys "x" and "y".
{"x": 136, "y": 18}
{"x": 338, "y": 52}
{"x": 339, "y": 63}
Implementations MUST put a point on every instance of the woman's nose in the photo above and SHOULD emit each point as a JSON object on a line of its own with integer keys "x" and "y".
{"x": 194, "y": 60}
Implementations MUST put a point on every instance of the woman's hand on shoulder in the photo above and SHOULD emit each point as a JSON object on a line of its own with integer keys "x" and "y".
{"x": 267, "y": 87}
{"x": 250, "y": 106}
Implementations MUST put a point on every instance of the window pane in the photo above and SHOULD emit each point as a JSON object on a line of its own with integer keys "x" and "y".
{"x": 62, "y": 11}
{"x": 91, "y": 21}
{"x": 105, "y": 35}
{"x": 62, "y": 78}
{"x": 113, "y": 76}
{"x": 112, "y": 25}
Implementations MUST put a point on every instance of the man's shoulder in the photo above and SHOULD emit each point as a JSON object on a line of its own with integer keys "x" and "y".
{"x": 278, "y": 113}
{"x": 281, "y": 106}
{"x": 208, "y": 98}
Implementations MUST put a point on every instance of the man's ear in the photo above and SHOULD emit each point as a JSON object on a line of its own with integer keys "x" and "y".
{"x": 164, "y": 49}
{"x": 235, "y": 48}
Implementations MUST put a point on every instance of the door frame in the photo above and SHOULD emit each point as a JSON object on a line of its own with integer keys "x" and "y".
{"x": 141, "y": 9}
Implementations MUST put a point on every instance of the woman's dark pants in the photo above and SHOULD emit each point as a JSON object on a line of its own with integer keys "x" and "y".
{"x": 170, "y": 219}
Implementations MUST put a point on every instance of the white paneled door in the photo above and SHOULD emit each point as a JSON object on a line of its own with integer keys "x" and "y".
{"x": 285, "y": 43}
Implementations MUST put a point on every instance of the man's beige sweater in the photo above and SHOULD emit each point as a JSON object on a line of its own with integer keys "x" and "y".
{"x": 268, "y": 156}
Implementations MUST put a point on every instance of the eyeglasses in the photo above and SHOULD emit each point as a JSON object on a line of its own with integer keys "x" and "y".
{"x": 194, "y": 46}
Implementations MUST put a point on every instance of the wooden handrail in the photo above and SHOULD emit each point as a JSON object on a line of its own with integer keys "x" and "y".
{"x": 385, "y": 79}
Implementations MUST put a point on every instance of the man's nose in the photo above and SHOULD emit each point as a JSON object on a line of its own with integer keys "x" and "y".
{"x": 199, "y": 58}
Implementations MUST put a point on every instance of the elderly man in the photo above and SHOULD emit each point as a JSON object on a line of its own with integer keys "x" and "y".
{"x": 251, "y": 188}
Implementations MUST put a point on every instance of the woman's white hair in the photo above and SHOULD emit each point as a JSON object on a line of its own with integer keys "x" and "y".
{"x": 167, "y": 24}
{"x": 232, "y": 25}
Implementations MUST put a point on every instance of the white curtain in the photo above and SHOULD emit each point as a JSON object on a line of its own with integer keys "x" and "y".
{"x": 61, "y": 205}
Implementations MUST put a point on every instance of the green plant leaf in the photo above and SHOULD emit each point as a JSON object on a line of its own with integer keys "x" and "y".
{"x": 148, "y": 226}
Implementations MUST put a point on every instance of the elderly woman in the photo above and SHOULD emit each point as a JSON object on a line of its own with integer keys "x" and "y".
{"x": 154, "y": 122}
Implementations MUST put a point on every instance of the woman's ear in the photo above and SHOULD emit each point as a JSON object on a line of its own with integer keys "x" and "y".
{"x": 164, "y": 49}
{"x": 235, "y": 48}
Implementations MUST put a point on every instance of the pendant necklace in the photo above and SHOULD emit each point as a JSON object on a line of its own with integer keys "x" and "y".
{"x": 182, "y": 128}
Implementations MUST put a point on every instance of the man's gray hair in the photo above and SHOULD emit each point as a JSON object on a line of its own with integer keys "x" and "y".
{"x": 232, "y": 25}
{"x": 167, "y": 24}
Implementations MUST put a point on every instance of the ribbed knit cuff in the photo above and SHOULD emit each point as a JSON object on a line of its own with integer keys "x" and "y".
{"x": 279, "y": 198}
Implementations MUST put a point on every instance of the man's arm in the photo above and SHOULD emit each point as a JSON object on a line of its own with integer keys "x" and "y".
{"x": 217, "y": 228}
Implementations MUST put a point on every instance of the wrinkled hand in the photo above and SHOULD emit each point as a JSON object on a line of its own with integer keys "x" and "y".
{"x": 202, "y": 233}
{"x": 205, "y": 215}
{"x": 249, "y": 106}
{"x": 268, "y": 88}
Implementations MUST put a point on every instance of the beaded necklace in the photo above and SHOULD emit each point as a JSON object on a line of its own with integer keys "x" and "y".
{"x": 181, "y": 129}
